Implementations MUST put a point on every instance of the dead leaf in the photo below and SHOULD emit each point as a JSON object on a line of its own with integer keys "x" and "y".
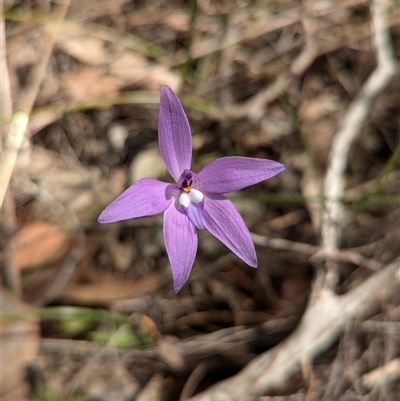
{"x": 133, "y": 69}
{"x": 84, "y": 48}
{"x": 108, "y": 290}
{"x": 39, "y": 243}
{"x": 148, "y": 163}
{"x": 89, "y": 82}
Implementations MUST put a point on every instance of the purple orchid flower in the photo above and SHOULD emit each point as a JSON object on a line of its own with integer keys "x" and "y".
{"x": 195, "y": 200}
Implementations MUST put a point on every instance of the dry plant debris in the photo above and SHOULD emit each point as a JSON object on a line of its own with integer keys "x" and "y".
{"x": 89, "y": 312}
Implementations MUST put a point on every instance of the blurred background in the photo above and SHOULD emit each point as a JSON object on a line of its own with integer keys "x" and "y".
{"x": 88, "y": 310}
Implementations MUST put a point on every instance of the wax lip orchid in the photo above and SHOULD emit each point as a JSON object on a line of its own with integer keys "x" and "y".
{"x": 195, "y": 200}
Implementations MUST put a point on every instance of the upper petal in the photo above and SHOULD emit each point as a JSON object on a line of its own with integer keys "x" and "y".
{"x": 174, "y": 136}
{"x": 228, "y": 174}
{"x": 144, "y": 198}
{"x": 181, "y": 243}
{"x": 223, "y": 221}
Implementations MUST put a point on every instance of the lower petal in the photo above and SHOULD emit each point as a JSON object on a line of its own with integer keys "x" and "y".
{"x": 181, "y": 243}
{"x": 223, "y": 221}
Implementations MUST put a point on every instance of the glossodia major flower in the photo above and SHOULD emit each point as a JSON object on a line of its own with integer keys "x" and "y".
{"x": 195, "y": 200}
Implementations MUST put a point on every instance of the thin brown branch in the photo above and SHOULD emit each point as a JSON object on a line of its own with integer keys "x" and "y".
{"x": 317, "y": 254}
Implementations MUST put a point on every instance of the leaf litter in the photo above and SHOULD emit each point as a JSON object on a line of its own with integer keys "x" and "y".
{"x": 255, "y": 80}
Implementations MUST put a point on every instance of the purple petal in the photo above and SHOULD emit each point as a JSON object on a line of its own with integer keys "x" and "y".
{"x": 174, "y": 136}
{"x": 223, "y": 221}
{"x": 181, "y": 243}
{"x": 229, "y": 174}
{"x": 144, "y": 198}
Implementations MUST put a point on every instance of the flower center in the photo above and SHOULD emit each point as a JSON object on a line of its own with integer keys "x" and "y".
{"x": 193, "y": 197}
{"x": 185, "y": 182}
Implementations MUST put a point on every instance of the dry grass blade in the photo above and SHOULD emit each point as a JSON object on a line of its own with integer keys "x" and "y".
{"x": 25, "y": 104}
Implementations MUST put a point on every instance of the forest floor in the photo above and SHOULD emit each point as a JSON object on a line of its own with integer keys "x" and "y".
{"x": 89, "y": 312}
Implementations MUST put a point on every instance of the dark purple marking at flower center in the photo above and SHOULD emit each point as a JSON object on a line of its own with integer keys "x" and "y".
{"x": 187, "y": 180}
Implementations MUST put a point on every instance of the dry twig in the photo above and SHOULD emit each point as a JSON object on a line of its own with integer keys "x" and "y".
{"x": 317, "y": 253}
{"x": 351, "y": 127}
